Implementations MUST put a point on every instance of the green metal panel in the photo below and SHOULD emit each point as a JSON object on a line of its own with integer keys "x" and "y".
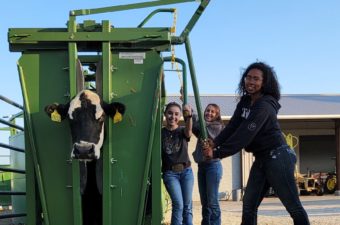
{"x": 18, "y": 180}
{"x": 135, "y": 86}
{"x": 47, "y": 81}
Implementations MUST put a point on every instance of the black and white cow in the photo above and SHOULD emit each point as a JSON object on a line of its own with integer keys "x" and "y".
{"x": 86, "y": 114}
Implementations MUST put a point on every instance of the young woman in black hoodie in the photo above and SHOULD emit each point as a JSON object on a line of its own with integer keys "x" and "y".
{"x": 255, "y": 128}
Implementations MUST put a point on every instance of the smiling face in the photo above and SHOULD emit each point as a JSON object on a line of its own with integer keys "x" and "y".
{"x": 211, "y": 113}
{"x": 172, "y": 116}
{"x": 253, "y": 82}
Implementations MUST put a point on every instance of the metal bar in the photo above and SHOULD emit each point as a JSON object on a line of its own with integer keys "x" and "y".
{"x": 191, "y": 23}
{"x": 150, "y": 147}
{"x": 156, "y": 178}
{"x": 73, "y": 56}
{"x": 185, "y": 86}
{"x": 153, "y": 13}
{"x": 13, "y": 117}
{"x": 11, "y": 124}
{"x": 195, "y": 89}
{"x": 12, "y": 193}
{"x": 3, "y": 98}
{"x": 12, "y": 170}
{"x": 194, "y": 19}
{"x": 30, "y": 133}
{"x": 140, "y": 5}
{"x": 118, "y": 35}
{"x": 14, "y": 148}
{"x": 12, "y": 215}
{"x": 107, "y": 150}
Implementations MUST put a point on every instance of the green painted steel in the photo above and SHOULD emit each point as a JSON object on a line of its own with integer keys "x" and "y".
{"x": 44, "y": 81}
{"x": 33, "y": 145}
{"x": 18, "y": 180}
{"x": 74, "y": 88}
{"x": 195, "y": 88}
{"x": 184, "y": 75}
{"x": 154, "y": 13}
{"x": 131, "y": 68}
{"x": 126, "y": 7}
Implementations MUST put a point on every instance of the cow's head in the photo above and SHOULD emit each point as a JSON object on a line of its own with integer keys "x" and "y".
{"x": 86, "y": 113}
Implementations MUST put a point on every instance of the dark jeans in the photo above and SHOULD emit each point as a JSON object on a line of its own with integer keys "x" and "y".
{"x": 275, "y": 169}
{"x": 179, "y": 186}
{"x": 209, "y": 176}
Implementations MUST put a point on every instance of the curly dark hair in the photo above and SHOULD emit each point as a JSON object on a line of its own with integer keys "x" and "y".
{"x": 270, "y": 84}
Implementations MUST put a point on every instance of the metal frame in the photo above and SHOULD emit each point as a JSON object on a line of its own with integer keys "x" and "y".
{"x": 103, "y": 38}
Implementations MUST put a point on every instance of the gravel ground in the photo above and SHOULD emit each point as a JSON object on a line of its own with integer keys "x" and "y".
{"x": 322, "y": 210}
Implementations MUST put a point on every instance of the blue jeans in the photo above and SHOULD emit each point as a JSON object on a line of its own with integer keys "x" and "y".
{"x": 209, "y": 176}
{"x": 179, "y": 186}
{"x": 275, "y": 169}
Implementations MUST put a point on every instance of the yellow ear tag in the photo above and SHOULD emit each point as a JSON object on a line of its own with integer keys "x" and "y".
{"x": 117, "y": 117}
{"x": 55, "y": 116}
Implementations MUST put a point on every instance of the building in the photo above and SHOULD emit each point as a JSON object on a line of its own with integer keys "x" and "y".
{"x": 311, "y": 122}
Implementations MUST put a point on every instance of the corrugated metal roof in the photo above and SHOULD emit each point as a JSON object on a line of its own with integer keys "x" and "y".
{"x": 292, "y": 106}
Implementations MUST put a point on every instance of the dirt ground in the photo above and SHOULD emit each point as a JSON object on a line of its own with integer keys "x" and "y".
{"x": 322, "y": 210}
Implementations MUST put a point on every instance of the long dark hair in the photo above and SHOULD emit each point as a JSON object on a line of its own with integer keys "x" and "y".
{"x": 270, "y": 85}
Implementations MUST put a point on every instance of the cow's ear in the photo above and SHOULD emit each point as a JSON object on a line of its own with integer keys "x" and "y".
{"x": 115, "y": 110}
{"x": 57, "y": 112}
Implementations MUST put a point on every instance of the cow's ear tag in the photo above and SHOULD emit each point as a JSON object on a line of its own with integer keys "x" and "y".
{"x": 55, "y": 116}
{"x": 117, "y": 117}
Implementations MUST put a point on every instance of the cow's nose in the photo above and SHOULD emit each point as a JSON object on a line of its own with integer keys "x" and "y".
{"x": 83, "y": 151}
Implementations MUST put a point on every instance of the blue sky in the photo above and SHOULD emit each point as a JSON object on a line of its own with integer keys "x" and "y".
{"x": 300, "y": 39}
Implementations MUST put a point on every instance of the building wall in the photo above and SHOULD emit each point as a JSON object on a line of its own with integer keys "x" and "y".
{"x": 235, "y": 177}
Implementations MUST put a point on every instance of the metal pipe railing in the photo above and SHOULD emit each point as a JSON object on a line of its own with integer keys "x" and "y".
{"x": 204, "y": 133}
{"x": 12, "y": 215}
{"x": 3, "y": 98}
{"x": 12, "y": 170}
{"x": 12, "y": 147}
{"x": 153, "y": 13}
{"x": 12, "y": 193}
{"x": 185, "y": 86}
{"x": 11, "y": 124}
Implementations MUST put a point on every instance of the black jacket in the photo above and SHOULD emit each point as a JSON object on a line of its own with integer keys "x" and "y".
{"x": 252, "y": 127}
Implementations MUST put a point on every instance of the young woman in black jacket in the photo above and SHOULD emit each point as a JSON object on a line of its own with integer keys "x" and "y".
{"x": 255, "y": 128}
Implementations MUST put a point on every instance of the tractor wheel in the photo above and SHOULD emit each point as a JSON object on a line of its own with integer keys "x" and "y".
{"x": 330, "y": 184}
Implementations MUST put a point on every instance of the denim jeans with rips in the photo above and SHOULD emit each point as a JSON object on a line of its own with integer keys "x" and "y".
{"x": 209, "y": 177}
{"x": 275, "y": 169}
{"x": 180, "y": 186}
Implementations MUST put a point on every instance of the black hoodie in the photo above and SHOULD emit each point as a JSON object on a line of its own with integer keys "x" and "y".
{"x": 252, "y": 127}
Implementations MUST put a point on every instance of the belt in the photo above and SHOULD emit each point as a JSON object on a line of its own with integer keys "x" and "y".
{"x": 178, "y": 167}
